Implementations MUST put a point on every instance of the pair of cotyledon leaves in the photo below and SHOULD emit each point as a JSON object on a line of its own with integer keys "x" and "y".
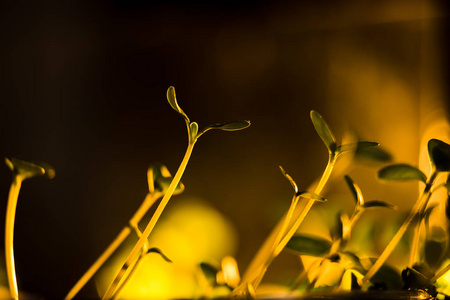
{"x": 193, "y": 126}
{"x": 439, "y": 155}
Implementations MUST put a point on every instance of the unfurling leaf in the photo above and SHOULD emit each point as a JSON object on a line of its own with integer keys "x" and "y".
{"x": 323, "y": 131}
{"x": 312, "y": 196}
{"x": 439, "y": 153}
{"x": 23, "y": 168}
{"x": 309, "y": 245}
{"x": 356, "y": 191}
{"x": 159, "y": 179}
{"x": 229, "y": 126}
{"x": 401, "y": 172}
{"x": 172, "y": 99}
{"x": 359, "y": 146}
{"x": 289, "y": 178}
{"x": 157, "y": 250}
{"x": 378, "y": 203}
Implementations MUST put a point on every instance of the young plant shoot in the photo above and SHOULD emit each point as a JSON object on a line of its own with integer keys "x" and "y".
{"x": 193, "y": 135}
{"x": 21, "y": 170}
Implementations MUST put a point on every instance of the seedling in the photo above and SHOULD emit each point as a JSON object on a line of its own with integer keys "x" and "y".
{"x": 159, "y": 179}
{"x": 193, "y": 135}
{"x": 21, "y": 170}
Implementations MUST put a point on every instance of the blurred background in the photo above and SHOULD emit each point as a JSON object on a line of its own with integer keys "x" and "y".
{"x": 83, "y": 83}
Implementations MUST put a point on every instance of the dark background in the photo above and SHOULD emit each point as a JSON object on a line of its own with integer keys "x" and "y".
{"x": 82, "y": 87}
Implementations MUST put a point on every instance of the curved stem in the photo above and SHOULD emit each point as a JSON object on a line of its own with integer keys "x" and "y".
{"x": 140, "y": 243}
{"x": 279, "y": 246}
{"x": 138, "y": 215}
{"x": 9, "y": 235}
{"x": 417, "y": 208}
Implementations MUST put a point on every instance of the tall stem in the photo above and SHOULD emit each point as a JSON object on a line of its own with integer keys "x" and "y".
{"x": 9, "y": 235}
{"x": 417, "y": 208}
{"x": 142, "y": 210}
{"x": 140, "y": 243}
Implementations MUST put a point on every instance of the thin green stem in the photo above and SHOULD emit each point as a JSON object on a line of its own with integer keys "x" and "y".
{"x": 440, "y": 273}
{"x": 142, "y": 240}
{"x": 142, "y": 210}
{"x": 9, "y": 235}
{"x": 279, "y": 246}
{"x": 417, "y": 208}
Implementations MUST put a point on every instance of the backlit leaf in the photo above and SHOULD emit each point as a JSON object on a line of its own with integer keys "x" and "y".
{"x": 401, "y": 172}
{"x": 289, "y": 178}
{"x": 172, "y": 99}
{"x": 323, "y": 131}
{"x": 375, "y": 154}
{"x": 387, "y": 277}
{"x": 439, "y": 153}
{"x": 158, "y": 251}
{"x": 229, "y": 126}
{"x": 378, "y": 203}
{"x": 356, "y": 191}
{"x": 193, "y": 130}
{"x": 309, "y": 245}
{"x": 361, "y": 146}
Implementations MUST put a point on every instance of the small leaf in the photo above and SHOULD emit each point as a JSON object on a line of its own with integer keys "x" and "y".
{"x": 376, "y": 154}
{"x": 361, "y": 146}
{"x": 210, "y": 272}
{"x": 356, "y": 191}
{"x": 401, "y": 172}
{"x": 378, "y": 203}
{"x": 289, "y": 178}
{"x": 172, "y": 99}
{"x": 229, "y": 126}
{"x": 159, "y": 179}
{"x": 157, "y": 250}
{"x": 439, "y": 153}
{"x": 312, "y": 196}
{"x": 435, "y": 247}
{"x": 23, "y": 168}
{"x": 323, "y": 131}
{"x": 309, "y": 245}
{"x": 337, "y": 231}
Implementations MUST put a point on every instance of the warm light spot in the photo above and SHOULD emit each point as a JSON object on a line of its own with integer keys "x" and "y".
{"x": 230, "y": 271}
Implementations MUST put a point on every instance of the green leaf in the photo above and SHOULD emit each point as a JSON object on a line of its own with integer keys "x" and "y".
{"x": 289, "y": 178}
{"x": 210, "y": 272}
{"x": 23, "y": 168}
{"x": 439, "y": 153}
{"x": 309, "y": 245}
{"x": 312, "y": 196}
{"x": 375, "y": 154}
{"x": 159, "y": 179}
{"x": 157, "y": 250}
{"x": 361, "y": 146}
{"x": 323, "y": 131}
{"x": 229, "y": 126}
{"x": 378, "y": 203}
{"x": 401, "y": 172}
{"x": 172, "y": 99}
{"x": 356, "y": 191}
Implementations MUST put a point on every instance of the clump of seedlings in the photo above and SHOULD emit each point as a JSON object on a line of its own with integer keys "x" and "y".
{"x": 336, "y": 269}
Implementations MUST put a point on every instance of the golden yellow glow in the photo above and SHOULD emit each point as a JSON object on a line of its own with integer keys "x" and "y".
{"x": 190, "y": 233}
